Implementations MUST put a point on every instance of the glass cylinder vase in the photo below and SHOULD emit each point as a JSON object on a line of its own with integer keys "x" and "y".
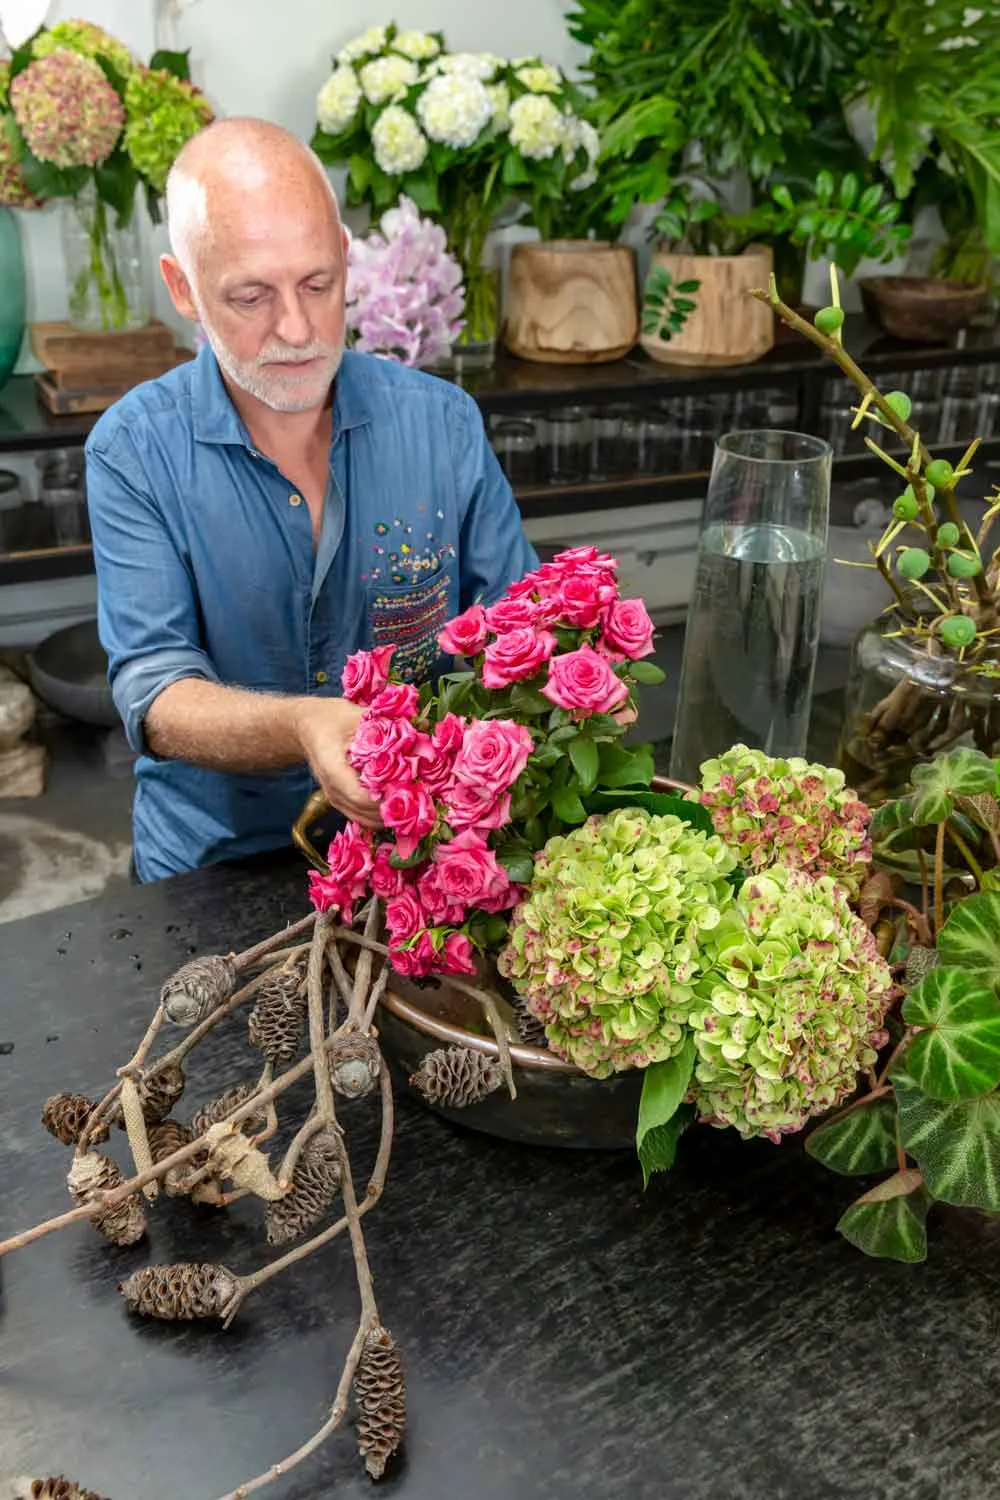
{"x": 12, "y": 294}
{"x": 476, "y": 345}
{"x": 104, "y": 266}
{"x": 909, "y": 699}
{"x": 753, "y": 622}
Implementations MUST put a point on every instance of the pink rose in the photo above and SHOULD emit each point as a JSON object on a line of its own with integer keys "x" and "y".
{"x": 366, "y": 673}
{"x": 350, "y": 860}
{"x": 384, "y": 769}
{"x": 493, "y": 754}
{"x": 404, "y": 916}
{"x": 465, "y": 635}
{"x": 458, "y": 955}
{"x": 409, "y": 811}
{"x": 476, "y": 807}
{"x": 374, "y": 735}
{"x": 469, "y": 872}
{"x": 523, "y": 588}
{"x": 511, "y": 614}
{"x": 385, "y": 880}
{"x": 583, "y": 598}
{"x": 575, "y": 557}
{"x": 583, "y": 681}
{"x": 516, "y": 654}
{"x": 628, "y": 629}
{"x": 416, "y": 960}
{"x": 449, "y": 734}
{"x": 441, "y": 908}
{"x": 397, "y": 701}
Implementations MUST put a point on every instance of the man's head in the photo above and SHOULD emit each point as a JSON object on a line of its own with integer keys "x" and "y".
{"x": 259, "y": 258}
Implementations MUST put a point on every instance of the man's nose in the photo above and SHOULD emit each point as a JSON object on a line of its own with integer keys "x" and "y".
{"x": 293, "y": 325}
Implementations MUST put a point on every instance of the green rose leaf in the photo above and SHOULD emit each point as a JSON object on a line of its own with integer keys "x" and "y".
{"x": 860, "y": 1143}
{"x": 518, "y": 863}
{"x": 890, "y": 1222}
{"x": 961, "y": 773}
{"x": 586, "y": 761}
{"x": 529, "y": 701}
{"x": 659, "y": 1128}
{"x": 621, "y": 767}
{"x": 567, "y": 806}
{"x": 956, "y": 1143}
{"x": 959, "y": 1056}
{"x": 604, "y": 724}
{"x": 547, "y": 755}
{"x": 971, "y": 936}
{"x": 647, "y": 671}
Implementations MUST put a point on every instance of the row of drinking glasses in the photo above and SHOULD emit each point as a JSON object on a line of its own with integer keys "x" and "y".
{"x": 55, "y": 516}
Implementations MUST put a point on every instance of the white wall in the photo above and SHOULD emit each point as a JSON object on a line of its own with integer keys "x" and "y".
{"x": 269, "y": 58}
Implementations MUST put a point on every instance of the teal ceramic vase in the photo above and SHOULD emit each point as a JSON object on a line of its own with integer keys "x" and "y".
{"x": 12, "y": 294}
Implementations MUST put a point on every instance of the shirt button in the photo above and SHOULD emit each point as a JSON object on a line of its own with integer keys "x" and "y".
{"x": 322, "y": 677}
{"x": 295, "y": 499}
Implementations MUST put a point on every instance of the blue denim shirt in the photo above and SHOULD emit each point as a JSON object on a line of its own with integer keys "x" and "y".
{"x": 206, "y": 568}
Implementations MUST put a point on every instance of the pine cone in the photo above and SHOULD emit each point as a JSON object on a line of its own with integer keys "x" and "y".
{"x": 166, "y": 1138}
{"x": 197, "y": 988}
{"x": 380, "y": 1391}
{"x": 457, "y": 1076}
{"x": 160, "y": 1093}
{"x": 179, "y": 1292}
{"x": 277, "y": 1019}
{"x": 217, "y": 1110}
{"x": 531, "y": 1029}
{"x": 65, "y": 1115}
{"x": 92, "y": 1174}
{"x": 50, "y": 1489}
{"x": 315, "y": 1182}
{"x": 355, "y": 1063}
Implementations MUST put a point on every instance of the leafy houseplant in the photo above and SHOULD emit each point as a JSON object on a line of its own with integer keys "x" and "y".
{"x": 464, "y": 135}
{"x": 81, "y": 119}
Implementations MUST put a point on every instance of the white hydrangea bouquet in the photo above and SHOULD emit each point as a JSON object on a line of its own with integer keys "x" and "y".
{"x": 462, "y": 134}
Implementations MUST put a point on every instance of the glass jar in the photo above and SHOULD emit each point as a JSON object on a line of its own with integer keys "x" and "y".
{"x": 63, "y": 494}
{"x": 515, "y": 443}
{"x": 104, "y": 266}
{"x": 11, "y": 500}
{"x": 607, "y": 456}
{"x": 568, "y": 433}
{"x": 908, "y": 700}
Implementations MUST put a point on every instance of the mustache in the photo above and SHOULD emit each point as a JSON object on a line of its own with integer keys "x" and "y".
{"x": 283, "y": 355}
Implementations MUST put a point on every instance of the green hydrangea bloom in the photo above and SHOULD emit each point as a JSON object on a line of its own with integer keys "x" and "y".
{"x": 607, "y": 946}
{"x": 787, "y": 812}
{"x": 87, "y": 39}
{"x": 163, "y": 114}
{"x": 794, "y": 1009}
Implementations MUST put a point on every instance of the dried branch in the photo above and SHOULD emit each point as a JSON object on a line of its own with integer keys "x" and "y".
{"x": 298, "y": 1144}
{"x": 342, "y": 980}
{"x": 251, "y": 956}
{"x": 317, "y": 1020}
{"x": 377, "y": 991}
{"x": 363, "y": 972}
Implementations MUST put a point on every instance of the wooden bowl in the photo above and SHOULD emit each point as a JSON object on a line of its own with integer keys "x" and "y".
{"x": 920, "y": 309}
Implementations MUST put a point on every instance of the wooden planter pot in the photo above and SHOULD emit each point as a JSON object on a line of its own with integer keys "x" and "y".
{"x": 727, "y": 325}
{"x": 571, "y": 302}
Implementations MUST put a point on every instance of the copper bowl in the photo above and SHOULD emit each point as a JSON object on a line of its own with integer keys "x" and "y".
{"x": 920, "y": 309}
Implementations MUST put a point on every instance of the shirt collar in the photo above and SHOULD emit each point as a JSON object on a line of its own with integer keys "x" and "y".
{"x": 216, "y": 420}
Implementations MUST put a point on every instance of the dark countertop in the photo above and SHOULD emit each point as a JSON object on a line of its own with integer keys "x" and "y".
{"x": 565, "y": 1334}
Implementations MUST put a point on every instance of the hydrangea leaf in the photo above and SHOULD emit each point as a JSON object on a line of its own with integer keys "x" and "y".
{"x": 890, "y": 1222}
{"x": 658, "y": 1130}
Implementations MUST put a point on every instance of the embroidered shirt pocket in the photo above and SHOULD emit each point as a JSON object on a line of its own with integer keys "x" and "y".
{"x": 410, "y": 617}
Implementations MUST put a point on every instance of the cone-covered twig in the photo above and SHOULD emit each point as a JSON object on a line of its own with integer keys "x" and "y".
{"x": 93, "y": 1174}
{"x": 218, "y": 1109}
{"x": 57, "y": 1488}
{"x": 315, "y": 1182}
{"x": 380, "y": 1391}
{"x": 455, "y": 1077}
{"x": 197, "y": 988}
{"x": 277, "y": 1021}
{"x": 179, "y": 1292}
{"x": 64, "y": 1116}
{"x": 355, "y": 1063}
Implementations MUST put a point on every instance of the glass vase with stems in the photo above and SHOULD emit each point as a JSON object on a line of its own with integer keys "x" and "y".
{"x": 104, "y": 265}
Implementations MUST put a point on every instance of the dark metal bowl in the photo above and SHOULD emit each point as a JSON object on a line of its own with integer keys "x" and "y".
{"x": 69, "y": 672}
{"x": 920, "y": 309}
{"x": 556, "y": 1104}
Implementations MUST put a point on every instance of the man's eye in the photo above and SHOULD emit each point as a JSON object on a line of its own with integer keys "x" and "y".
{"x": 253, "y": 300}
{"x": 318, "y": 286}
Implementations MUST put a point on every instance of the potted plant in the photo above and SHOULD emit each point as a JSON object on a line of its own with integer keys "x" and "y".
{"x": 460, "y": 134}
{"x": 83, "y": 121}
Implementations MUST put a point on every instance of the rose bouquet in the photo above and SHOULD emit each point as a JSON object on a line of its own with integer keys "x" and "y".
{"x": 474, "y": 774}
{"x": 404, "y": 291}
{"x": 81, "y": 118}
{"x": 461, "y": 134}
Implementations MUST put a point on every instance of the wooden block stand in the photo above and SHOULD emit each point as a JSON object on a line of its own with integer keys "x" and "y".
{"x": 88, "y": 372}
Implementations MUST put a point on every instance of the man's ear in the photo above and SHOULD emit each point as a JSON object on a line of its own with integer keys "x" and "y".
{"x": 179, "y": 287}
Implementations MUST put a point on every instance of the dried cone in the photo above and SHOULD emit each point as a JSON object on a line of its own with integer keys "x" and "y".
{"x": 179, "y": 1292}
{"x": 315, "y": 1183}
{"x": 217, "y": 1110}
{"x": 197, "y": 988}
{"x": 380, "y": 1391}
{"x": 277, "y": 1020}
{"x": 455, "y": 1077}
{"x": 160, "y": 1093}
{"x": 166, "y": 1138}
{"x": 65, "y": 1115}
{"x": 92, "y": 1174}
{"x": 51, "y": 1489}
{"x": 530, "y": 1028}
{"x": 355, "y": 1063}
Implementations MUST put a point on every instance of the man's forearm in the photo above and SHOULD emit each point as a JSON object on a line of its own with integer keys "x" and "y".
{"x": 224, "y": 728}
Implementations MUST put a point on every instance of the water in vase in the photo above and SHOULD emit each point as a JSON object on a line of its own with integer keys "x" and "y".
{"x": 750, "y": 646}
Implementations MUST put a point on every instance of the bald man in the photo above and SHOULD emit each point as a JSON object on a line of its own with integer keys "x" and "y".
{"x": 270, "y": 507}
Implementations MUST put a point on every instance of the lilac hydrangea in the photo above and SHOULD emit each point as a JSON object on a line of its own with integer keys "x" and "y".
{"x": 404, "y": 290}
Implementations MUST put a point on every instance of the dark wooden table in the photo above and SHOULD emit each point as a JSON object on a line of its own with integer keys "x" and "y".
{"x": 567, "y": 1336}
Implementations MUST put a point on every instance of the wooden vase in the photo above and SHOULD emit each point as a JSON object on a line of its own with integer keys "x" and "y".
{"x": 727, "y": 326}
{"x": 571, "y": 302}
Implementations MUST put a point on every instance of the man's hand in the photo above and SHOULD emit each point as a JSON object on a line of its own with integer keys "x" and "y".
{"x": 325, "y": 728}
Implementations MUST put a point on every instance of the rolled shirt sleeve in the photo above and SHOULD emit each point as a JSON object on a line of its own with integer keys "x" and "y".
{"x": 147, "y": 615}
{"x": 494, "y": 551}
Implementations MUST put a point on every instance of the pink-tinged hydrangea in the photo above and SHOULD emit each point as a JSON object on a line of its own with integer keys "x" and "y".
{"x": 86, "y": 38}
{"x": 67, "y": 110}
{"x": 404, "y": 290}
{"x": 792, "y": 1010}
{"x": 14, "y": 191}
{"x": 606, "y": 945}
{"x": 787, "y": 812}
